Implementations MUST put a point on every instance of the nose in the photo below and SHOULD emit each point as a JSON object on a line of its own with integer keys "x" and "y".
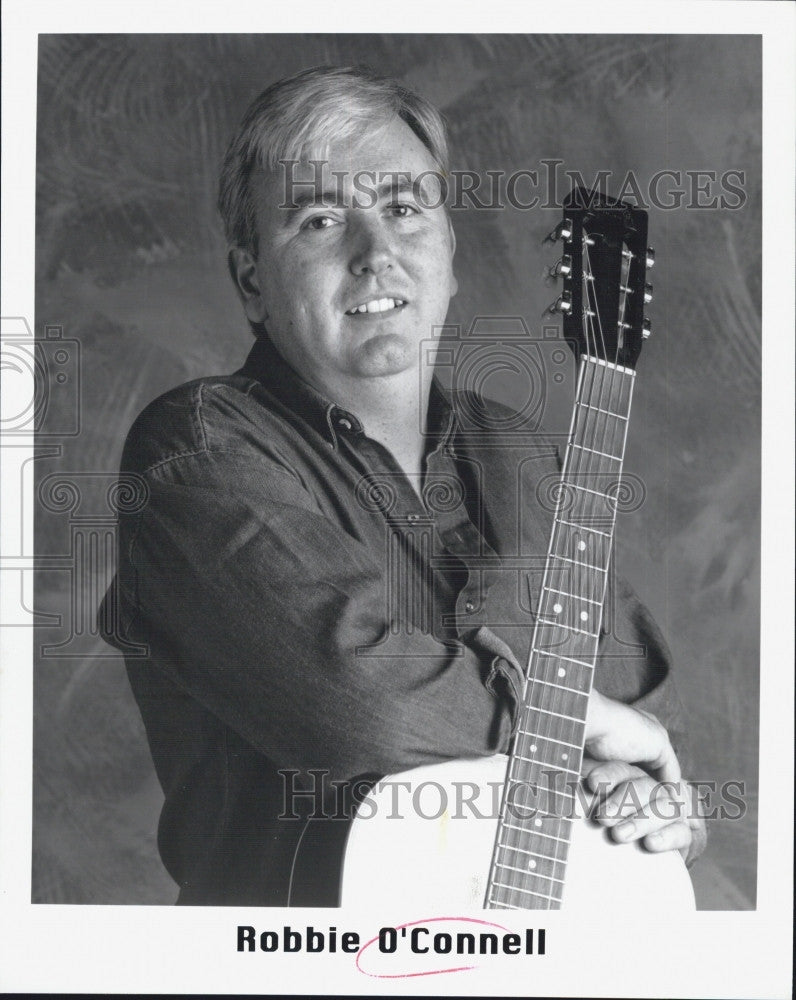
{"x": 372, "y": 251}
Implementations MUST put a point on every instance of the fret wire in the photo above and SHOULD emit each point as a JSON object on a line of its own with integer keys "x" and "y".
{"x": 585, "y": 489}
{"x": 535, "y": 737}
{"x": 615, "y": 400}
{"x": 575, "y": 562}
{"x": 583, "y": 527}
{"x": 530, "y": 872}
{"x": 507, "y": 906}
{"x": 593, "y": 586}
{"x": 569, "y": 628}
{"x": 544, "y": 675}
{"x": 558, "y": 715}
{"x": 562, "y": 544}
{"x": 603, "y": 396}
{"x": 593, "y": 427}
{"x": 576, "y": 645}
{"x": 594, "y": 451}
{"x": 576, "y": 597}
{"x": 584, "y": 514}
{"x": 598, "y": 409}
{"x": 560, "y": 656}
{"x": 555, "y": 799}
{"x": 555, "y": 791}
{"x": 535, "y": 854}
{"x": 616, "y": 369}
{"x": 530, "y": 892}
{"x": 538, "y": 833}
{"x": 547, "y": 764}
{"x": 609, "y": 364}
{"x": 560, "y": 687}
{"x": 566, "y": 701}
{"x": 552, "y": 739}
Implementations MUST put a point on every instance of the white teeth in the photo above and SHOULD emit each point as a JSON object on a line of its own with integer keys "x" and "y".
{"x": 377, "y": 305}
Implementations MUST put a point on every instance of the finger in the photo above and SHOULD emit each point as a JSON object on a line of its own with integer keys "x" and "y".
{"x": 618, "y": 732}
{"x": 628, "y": 800}
{"x": 661, "y": 813}
{"x": 674, "y": 837}
{"x": 699, "y": 837}
{"x": 666, "y": 765}
{"x": 604, "y": 777}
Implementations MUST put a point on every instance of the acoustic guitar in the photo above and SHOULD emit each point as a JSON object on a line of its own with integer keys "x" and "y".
{"x": 434, "y": 850}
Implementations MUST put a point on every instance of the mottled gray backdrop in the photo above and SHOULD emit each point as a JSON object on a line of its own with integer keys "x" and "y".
{"x": 130, "y": 263}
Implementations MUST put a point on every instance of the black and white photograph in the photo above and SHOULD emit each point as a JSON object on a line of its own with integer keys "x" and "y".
{"x": 386, "y": 485}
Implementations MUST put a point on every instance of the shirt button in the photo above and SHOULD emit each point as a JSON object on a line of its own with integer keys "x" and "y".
{"x": 469, "y": 607}
{"x": 345, "y": 424}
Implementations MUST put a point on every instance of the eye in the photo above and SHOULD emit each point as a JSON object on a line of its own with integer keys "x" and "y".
{"x": 319, "y": 222}
{"x": 403, "y": 211}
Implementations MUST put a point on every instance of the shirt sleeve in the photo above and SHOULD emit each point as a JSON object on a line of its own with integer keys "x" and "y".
{"x": 274, "y": 618}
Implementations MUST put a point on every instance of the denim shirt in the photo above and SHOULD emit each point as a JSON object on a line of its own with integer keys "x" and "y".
{"x": 307, "y": 609}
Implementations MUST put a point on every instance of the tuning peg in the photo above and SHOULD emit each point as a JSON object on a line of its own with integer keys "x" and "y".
{"x": 646, "y": 328}
{"x": 563, "y": 231}
{"x": 650, "y": 257}
{"x": 562, "y": 267}
{"x": 563, "y": 304}
{"x": 647, "y": 294}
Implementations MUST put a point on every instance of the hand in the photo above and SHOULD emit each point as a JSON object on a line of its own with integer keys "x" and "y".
{"x": 665, "y": 816}
{"x": 652, "y": 804}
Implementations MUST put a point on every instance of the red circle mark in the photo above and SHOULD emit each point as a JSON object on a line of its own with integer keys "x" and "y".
{"x": 429, "y": 972}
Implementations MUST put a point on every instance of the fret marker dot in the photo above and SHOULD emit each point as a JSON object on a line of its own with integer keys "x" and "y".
{"x": 582, "y": 546}
{"x": 562, "y": 672}
{"x": 537, "y": 822}
{"x": 584, "y": 616}
{"x": 557, "y": 609}
{"x": 564, "y": 756}
{"x": 532, "y": 864}
{"x": 533, "y": 748}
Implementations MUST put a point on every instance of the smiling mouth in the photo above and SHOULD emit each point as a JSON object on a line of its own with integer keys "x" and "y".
{"x": 376, "y": 306}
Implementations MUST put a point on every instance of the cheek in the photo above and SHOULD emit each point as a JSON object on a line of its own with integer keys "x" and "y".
{"x": 301, "y": 286}
{"x": 437, "y": 255}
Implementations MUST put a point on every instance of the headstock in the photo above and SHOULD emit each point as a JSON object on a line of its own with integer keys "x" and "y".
{"x": 604, "y": 268}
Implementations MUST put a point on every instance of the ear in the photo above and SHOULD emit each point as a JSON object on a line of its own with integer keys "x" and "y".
{"x": 242, "y": 266}
{"x": 454, "y": 282}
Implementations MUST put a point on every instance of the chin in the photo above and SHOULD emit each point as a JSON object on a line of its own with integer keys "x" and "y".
{"x": 386, "y": 355}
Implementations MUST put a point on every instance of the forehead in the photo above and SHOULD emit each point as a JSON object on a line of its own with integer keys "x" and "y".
{"x": 391, "y": 151}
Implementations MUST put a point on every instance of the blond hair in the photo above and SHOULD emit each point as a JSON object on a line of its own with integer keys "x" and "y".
{"x": 299, "y": 117}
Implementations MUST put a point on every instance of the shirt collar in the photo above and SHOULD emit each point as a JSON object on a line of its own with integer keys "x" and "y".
{"x": 267, "y": 366}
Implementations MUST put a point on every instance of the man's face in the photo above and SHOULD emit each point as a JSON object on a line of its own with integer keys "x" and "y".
{"x": 319, "y": 265}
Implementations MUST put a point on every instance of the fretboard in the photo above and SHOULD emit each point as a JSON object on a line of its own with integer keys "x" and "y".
{"x": 540, "y": 798}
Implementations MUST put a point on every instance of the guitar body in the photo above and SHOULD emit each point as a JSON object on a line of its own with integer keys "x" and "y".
{"x": 397, "y": 856}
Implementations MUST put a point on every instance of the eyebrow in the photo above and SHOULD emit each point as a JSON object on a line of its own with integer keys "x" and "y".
{"x": 395, "y": 182}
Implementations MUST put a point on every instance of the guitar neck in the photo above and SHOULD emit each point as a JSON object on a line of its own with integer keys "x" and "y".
{"x": 529, "y": 862}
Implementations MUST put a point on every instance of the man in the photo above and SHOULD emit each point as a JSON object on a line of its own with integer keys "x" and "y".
{"x": 258, "y": 572}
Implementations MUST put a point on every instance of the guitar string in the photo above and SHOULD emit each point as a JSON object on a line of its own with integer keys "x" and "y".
{"x": 514, "y": 838}
{"x": 609, "y": 397}
{"x": 544, "y": 726}
{"x": 584, "y": 460}
{"x": 603, "y": 441}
